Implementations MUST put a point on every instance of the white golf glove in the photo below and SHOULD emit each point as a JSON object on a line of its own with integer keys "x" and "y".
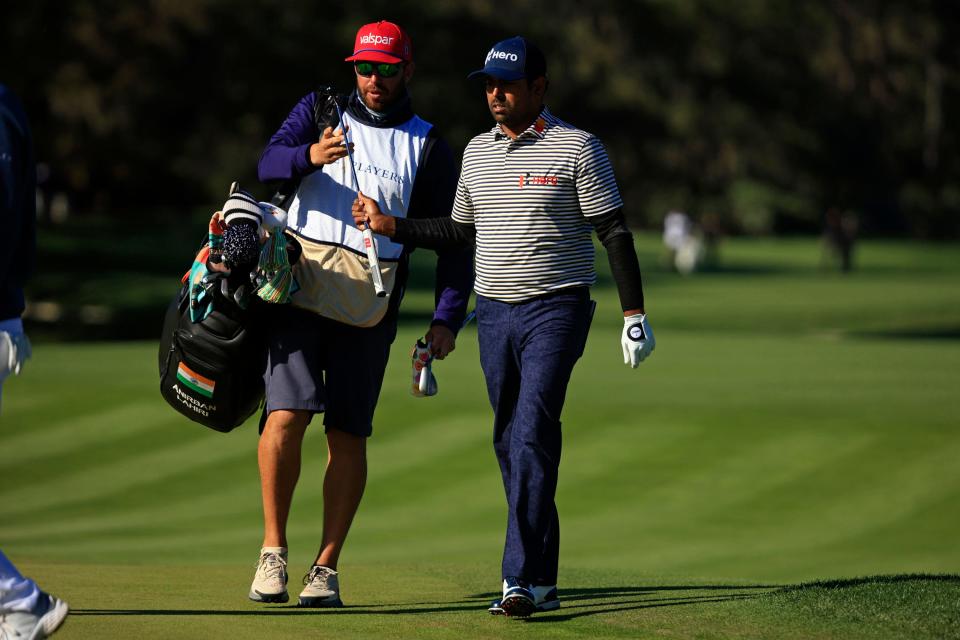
{"x": 637, "y": 339}
{"x": 14, "y": 351}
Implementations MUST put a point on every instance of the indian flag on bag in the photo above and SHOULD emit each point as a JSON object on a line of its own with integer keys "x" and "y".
{"x": 195, "y": 381}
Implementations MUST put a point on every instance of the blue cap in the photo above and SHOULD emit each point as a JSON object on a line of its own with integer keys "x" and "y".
{"x": 513, "y": 59}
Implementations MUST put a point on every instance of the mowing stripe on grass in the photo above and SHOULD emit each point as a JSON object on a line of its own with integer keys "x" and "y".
{"x": 71, "y": 434}
{"x": 118, "y": 477}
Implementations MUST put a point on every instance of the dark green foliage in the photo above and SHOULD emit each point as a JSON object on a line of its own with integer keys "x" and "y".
{"x": 764, "y": 113}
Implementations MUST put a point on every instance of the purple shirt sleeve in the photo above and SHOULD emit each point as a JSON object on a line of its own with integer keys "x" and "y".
{"x": 288, "y": 153}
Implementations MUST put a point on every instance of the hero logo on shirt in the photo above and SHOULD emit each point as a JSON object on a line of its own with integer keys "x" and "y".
{"x": 493, "y": 54}
{"x": 372, "y": 38}
{"x": 528, "y": 179}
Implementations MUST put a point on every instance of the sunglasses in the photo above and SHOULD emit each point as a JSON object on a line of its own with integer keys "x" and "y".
{"x": 382, "y": 69}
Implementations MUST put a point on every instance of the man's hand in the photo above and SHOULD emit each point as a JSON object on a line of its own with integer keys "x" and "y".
{"x": 441, "y": 341}
{"x": 367, "y": 213}
{"x": 637, "y": 339}
{"x": 329, "y": 149}
{"x": 14, "y": 351}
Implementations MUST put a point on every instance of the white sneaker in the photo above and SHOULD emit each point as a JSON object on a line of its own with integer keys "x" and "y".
{"x": 544, "y": 597}
{"x": 270, "y": 581}
{"x": 321, "y": 588}
{"x": 517, "y": 600}
{"x": 45, "y": 618}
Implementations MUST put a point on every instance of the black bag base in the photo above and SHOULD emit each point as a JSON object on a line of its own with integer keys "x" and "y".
{"x": 212, "y": 371}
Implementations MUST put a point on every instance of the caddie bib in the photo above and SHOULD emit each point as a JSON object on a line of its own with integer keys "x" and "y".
{"x": 334, "y": 274}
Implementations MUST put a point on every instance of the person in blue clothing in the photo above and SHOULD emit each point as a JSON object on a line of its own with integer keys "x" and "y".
{"x": 25, "y": 610}
{"x": 18, "y": 217}
{"x": 327, "y": 351}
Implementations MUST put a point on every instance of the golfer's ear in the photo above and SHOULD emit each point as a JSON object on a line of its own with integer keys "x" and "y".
{"x": 540, "y": 86}
{"x": 408, "y": 70}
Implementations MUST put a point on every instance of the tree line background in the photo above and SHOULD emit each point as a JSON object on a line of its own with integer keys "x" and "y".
{"x": 761, "y": 113}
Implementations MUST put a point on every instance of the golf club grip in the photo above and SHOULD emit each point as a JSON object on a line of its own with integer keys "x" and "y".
{"x": 374, "y": 262}
{"x": 367, "y": 234}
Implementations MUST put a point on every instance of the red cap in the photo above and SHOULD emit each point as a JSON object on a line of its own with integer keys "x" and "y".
{"x": 382, "y": 42}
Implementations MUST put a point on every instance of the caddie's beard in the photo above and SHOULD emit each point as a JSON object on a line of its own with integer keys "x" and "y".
{"x": 378, "y": 97}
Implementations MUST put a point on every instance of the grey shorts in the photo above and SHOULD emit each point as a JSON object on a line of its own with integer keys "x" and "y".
{"x": 319, "y": 365}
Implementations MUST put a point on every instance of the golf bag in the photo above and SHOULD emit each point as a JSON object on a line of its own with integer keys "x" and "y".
{"x": 211, "y": 371}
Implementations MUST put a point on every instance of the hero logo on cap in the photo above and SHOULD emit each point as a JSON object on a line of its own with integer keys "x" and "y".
{"x": 493, "y": 54}
{"x": 513, "y": 59}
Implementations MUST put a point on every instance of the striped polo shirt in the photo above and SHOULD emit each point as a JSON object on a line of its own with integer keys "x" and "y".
{"x": 529, "y": 200}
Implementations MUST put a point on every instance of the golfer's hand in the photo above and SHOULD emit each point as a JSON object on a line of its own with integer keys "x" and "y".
{"x": 637, "y": 339}
{"x": 367, "y": 213}
{"x": 329, "y": 149}
{"x": 441, "y": 341}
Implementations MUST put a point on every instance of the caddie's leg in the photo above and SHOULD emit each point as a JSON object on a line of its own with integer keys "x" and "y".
{"x": 555, "y": 330}
{"x": 343, "y": 487}
{"x": 279, "y": 456}
{"x": 356, "y": 359}
{"x": 16, "y": 592}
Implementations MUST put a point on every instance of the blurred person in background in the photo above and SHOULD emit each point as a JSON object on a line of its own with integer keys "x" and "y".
{"x": 25, "y": 610}
{"x": 839, "y": 236}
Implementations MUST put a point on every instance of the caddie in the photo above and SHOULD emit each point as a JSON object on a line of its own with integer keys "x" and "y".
{"x": 327, "y": 351}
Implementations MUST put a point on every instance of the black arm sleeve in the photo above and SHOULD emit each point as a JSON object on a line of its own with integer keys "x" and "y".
{"x": 618, "y": 241}
{"x": 435, "y": 233}
{"x": 428, "y": 223}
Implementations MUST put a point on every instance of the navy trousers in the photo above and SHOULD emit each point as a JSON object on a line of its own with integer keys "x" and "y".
{"x": 527, "y": 352}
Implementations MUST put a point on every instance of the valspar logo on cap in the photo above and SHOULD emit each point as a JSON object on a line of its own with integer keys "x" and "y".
{"x": 381, "y": 42}
{"x": 372, "y": 38}
{"x": 493, "y": 54}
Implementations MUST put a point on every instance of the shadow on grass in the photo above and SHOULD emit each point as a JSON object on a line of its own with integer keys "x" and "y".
{"x": 577, "y": 601}
{"x": 612, "y": 599}
{"x": 928, "y": 333}
{"x": 886, "y": 579}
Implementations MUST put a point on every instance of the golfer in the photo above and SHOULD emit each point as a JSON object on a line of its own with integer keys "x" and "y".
{"x": 327, "y": 351}
{"x": 530, "y": 192}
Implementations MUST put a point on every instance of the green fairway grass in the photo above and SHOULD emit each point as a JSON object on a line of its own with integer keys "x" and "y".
{"x": 784, "y": 466}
